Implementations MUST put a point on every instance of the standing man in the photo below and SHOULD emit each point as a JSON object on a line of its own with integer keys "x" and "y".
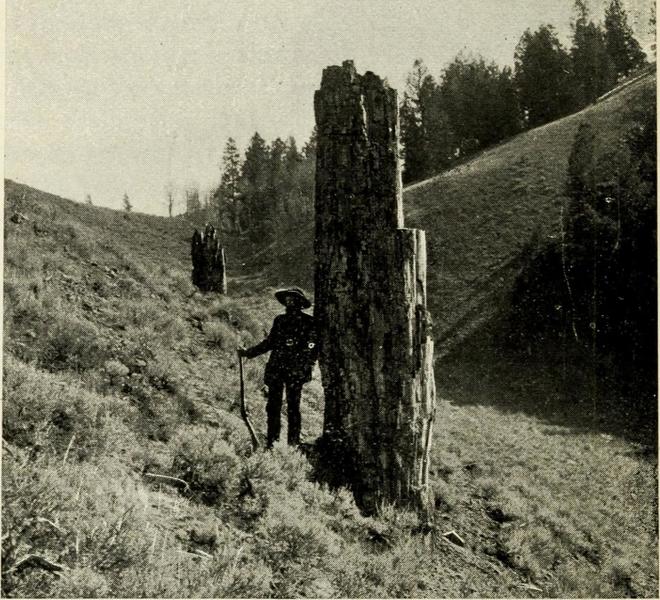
{"x": 293, "y": 351}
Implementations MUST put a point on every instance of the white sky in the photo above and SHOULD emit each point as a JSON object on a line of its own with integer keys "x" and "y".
{"x": 107, "y": 96}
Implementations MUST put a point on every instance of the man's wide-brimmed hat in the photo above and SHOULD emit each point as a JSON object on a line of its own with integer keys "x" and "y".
{"x": 296, "y": 292}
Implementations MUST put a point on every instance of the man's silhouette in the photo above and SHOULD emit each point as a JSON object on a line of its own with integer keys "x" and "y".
{"x": 292, "y": 346}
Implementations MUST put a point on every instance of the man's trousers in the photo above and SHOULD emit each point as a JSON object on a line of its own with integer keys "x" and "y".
{"x": 274, "y": 409}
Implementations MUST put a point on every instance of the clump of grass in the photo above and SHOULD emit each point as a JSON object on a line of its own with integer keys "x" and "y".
{"x": 82, "y": 582}
{"x": 159, "y": 413}
{"x": 136, "y": 270}
{"x": 220, "y": 334}
{"x": 532, "y": 549}
{"x": 80, "y": 241}
{"x": 446, "y": 496}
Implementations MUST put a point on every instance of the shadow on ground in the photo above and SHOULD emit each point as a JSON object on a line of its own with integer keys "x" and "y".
{"x": 561, "y": 393}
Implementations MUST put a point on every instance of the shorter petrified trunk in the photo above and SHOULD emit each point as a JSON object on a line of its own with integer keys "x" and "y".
{"x": 208, "y": 259}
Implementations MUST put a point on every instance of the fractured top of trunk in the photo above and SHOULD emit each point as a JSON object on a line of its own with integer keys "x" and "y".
{"x": 358, "y": 172}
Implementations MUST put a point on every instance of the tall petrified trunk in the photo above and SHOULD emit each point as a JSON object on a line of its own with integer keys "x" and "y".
{"x": 376, "y": 353}
{"x": 208, "y": 258}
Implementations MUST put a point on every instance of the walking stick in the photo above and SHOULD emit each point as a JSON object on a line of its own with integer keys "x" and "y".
{"x": 245, "y": 415}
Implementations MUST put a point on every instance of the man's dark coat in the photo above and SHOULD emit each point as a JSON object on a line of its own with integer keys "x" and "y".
{"x": 292, "y": 346}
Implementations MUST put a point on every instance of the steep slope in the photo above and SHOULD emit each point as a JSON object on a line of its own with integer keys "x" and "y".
{"x": 116, "y": 370}
{"x": 480, "y": 216}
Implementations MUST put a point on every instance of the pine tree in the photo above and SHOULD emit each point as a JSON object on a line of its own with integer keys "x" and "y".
{"x": 438, "y": 135}
{"x": 88, "y": 199}
{"x": 126, "y": 203}
{"x": 309, "y": 149}
{"x": 623, "y": 49}
{"x": 611, "y": 243}
{"x": 652, "y": 28}
{"x": 542, "y": 75}
{"x": 278, "y": 184}
{"x": 227, "y": 196}
{"x": 480, "y": 101}
{"x": 290, "y": 184}
{"x": 305, "y": 180}
{"x": 254, "y": 186}
{"x": 292, "y": 158}
{"x": 507, "y": 108}
{"x": 593, "y": 71}
{"x": 412, "y": 127}
{"x": 426, "y": 134}
{"x": 276, "y": 159}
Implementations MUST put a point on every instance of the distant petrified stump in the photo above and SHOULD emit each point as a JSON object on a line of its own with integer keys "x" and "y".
{"x": 376, "y": 353}
{"x": 208, "y": 259}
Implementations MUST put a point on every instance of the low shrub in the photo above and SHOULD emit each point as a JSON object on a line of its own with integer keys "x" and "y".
{"x": 158, "y": 412}
{"x": 52, "y": 416}
{"x": 166, "y": 371}
{"x": 244, "y": 320}
{"x": 100, "y": 286}
{"x": 208, "y": 463}
{"x": 80, "y": 241}
{"x": 20, "y": 255}
{"x": 115, "y": 370}
{"x": 220, "y": 308}
{"x": 182, "y": 284}
{"x": 23, "y": 306}
{"x": 72, "y": 343}
{"x": 220, "y": 334}
{"x": 129, "y": 288}
{"x": 297, "y": 547}
{"x": 136, "y": 270}
{"x": 446, "y": 496}
{"x": 140, "y": 345}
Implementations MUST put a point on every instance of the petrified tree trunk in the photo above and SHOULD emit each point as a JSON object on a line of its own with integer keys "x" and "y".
{"x": 376, "y": 353}
{"x": 208, "y": 259}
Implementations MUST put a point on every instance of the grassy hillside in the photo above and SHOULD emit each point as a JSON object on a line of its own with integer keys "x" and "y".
{"x": 127, "y": 471}
{"x": 116, "y": 370}
{"x": 480, "y": 215}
